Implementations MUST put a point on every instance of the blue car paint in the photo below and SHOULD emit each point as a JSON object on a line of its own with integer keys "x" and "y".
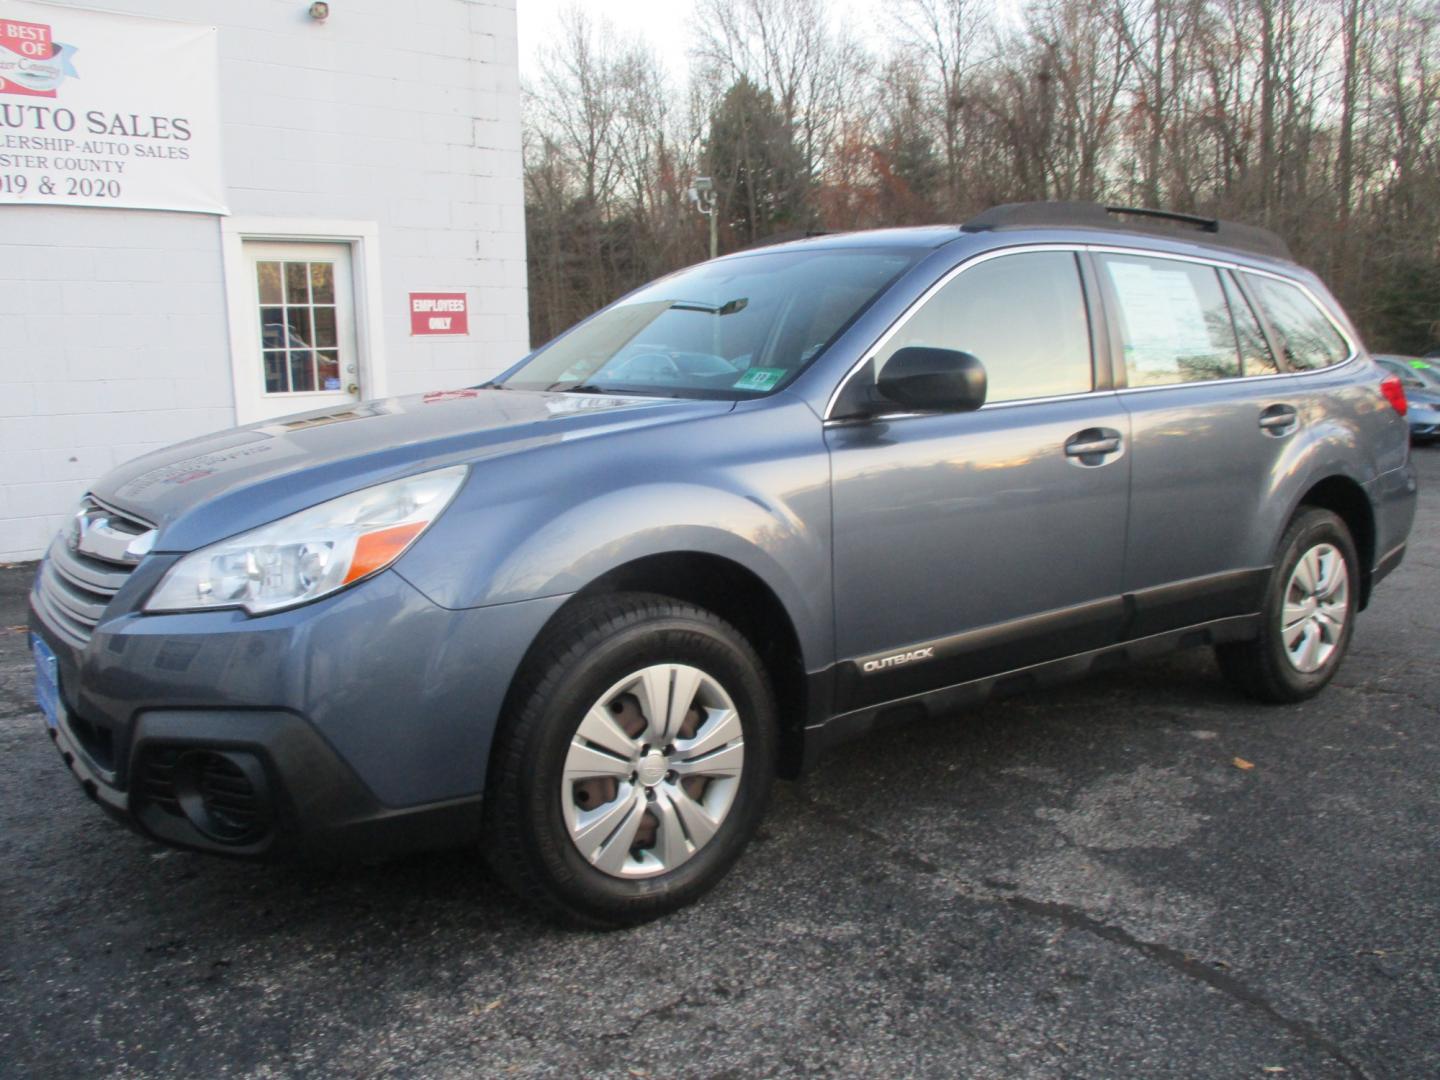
{"x": 405, "y": 674}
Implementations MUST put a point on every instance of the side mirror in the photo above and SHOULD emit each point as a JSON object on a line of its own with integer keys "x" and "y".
{"x": 933, "y": 380}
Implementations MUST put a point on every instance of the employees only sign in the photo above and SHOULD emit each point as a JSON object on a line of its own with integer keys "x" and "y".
{"x": 101, "y": 109}
{"x": 439, "y": 313}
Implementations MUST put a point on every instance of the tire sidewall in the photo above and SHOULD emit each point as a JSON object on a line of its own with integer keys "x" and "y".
{"x": 677, "y": 638}
{"x": 1312, "y": 528}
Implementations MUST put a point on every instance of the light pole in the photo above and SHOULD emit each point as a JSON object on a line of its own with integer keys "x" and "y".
{"x": 702, "y": 194}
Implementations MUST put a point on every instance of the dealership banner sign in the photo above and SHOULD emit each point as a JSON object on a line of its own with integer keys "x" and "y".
{"x": 102, "y": 109}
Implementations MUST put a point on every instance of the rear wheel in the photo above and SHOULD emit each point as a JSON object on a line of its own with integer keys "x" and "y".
{"x": 1309, "y": 614}
{"x": 634, "y": 761}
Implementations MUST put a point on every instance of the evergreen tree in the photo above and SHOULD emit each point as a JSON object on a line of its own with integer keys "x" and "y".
{"x": 758, "y": 169}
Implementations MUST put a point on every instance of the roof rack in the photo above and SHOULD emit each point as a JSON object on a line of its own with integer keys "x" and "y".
{"x": 1089, "y": 215}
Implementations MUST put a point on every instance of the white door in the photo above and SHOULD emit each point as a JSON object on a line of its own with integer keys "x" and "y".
{"x": 297, "y": 349}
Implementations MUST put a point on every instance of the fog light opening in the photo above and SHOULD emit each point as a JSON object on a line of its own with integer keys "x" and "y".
{"x": 223, "y": 794}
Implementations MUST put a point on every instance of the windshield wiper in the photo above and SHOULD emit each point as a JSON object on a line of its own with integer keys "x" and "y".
{"x": 591, "y": 388}
{"x": 727, "y": 308}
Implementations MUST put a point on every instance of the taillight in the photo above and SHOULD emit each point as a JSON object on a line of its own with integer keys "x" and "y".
{"x": 1394, "y": 391}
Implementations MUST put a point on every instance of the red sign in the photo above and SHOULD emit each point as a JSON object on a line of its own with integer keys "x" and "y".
{"x": 439, "y": 313}
{"x": 31, "y": 58}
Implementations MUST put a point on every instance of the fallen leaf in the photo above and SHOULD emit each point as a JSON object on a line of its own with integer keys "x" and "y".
{"x": 494, "y": 1005}
{"x": 1241, "y": 763}
{"x": 16, "y": 629}
{"x": 1273, "y": 1069}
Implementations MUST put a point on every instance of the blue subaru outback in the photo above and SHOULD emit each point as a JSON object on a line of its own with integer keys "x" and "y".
{"x": 581, "y": 616}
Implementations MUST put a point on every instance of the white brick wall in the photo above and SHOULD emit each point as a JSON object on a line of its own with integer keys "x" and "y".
{"x": 113, "y": 336}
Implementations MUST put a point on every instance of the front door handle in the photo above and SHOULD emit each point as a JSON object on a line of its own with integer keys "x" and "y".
{"x": 1279, "y": 420}
{"x": 1092, "y": 446}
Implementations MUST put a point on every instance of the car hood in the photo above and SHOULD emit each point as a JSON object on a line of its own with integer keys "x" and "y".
{"x": 206, "y": 489}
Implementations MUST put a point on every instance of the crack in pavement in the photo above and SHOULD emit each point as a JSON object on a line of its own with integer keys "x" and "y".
{"x": 1077, "y": 918}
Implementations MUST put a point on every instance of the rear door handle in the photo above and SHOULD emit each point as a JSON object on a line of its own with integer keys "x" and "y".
{"x": 1279, "y": 420}
{"x": 1092, "y": 443}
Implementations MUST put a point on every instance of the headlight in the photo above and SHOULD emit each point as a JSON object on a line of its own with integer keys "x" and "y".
{"x": 312, "y": 553}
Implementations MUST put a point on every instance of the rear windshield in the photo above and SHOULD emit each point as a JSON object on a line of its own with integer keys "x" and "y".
{"x": 736, "y": 328}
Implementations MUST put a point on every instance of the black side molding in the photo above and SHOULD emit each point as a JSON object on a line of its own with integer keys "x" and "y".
{"x": 835, "y": 730}
{"x": 1388, "y": 562}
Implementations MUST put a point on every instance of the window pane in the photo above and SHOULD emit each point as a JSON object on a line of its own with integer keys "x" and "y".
{"x": 272, "y": 328}
{"x": 296, "y": 284}
{"x": 302, "y": 369}
{"x": 328, "y": 362}
{"x": 1310, "y": 341}
{"x": 725, "y": 329}
{"x": 267, "y": 275}
{"x": 1255, "y": 355}
{"x": 322, "y": 283}
{"x": 275, "y": 371}
{"x": 325, "y": 328}
{"x": 299, "y": 320}
{"x": 1023, "y": 316}
{"x": 1175, "y": 324}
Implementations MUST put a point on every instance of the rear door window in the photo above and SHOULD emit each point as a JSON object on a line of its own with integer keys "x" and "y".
{"x": 1022, "y": 315}
{"x": 1175, "y": 325}
{"x": 1307, "y": 335}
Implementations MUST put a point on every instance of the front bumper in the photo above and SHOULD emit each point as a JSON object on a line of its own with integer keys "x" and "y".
{"x": 310, "y": 801}
{"x": 1424, "y": 423}
{"x": 357, "y": 724}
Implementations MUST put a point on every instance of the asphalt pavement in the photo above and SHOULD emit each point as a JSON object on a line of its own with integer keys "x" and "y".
{"x": 1141, "y": 875}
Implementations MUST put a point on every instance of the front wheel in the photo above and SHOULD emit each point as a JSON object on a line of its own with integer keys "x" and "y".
{"x": 1309, "y": 614}
{"x": 633, "y": 763}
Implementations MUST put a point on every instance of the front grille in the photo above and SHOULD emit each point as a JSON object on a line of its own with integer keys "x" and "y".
{"x": 97, "y": 740}
{"x": 76, "y": 584}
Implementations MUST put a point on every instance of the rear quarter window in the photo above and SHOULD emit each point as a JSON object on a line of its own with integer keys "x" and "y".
{"x": 1306, "y": 335}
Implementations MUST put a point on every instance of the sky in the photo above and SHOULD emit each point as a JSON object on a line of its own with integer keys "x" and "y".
{"x": 665, "y": 24}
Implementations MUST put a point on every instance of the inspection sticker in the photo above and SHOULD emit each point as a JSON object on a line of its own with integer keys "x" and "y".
{"x": 760, "y": 378}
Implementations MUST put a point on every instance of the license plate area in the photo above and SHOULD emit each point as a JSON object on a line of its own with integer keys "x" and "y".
{"x": 47, "y": 680}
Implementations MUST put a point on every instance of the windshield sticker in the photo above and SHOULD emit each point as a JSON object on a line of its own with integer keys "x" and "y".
{"x": 1420, "y": 365}
{"x": 759, "y": 378}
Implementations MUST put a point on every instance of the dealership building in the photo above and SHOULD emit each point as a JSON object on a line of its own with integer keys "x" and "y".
{"x": 214, "y": 212}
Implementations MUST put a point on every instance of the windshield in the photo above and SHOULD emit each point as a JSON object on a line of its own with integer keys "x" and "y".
{"x": 731, "y": 329}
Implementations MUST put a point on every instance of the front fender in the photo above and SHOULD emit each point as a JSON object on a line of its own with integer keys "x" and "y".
{"x": 750, "y": 486}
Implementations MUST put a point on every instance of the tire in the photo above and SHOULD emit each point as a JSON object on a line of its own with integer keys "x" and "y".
{"x": 1267, "y": 668}
{"x": 555, "y": 786}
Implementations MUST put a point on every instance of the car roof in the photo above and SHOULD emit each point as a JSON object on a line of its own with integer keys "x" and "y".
{"x": 1059, "y": 222}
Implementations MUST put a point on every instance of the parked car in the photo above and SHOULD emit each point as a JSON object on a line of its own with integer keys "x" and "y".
{"x": 583, "y": 614}
{"x": 1421, "y": 381}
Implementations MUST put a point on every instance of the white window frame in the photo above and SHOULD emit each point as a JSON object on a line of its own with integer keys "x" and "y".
{"x": 363, "y": 239}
